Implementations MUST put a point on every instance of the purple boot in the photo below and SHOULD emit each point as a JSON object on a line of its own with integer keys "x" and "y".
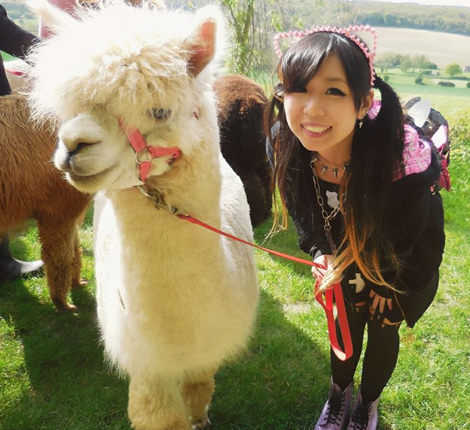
{"x": 336, "y": 411}
{"x": 364, "y": 417}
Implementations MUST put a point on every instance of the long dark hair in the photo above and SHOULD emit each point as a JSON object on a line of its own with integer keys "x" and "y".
{"x": 376, "y": 151}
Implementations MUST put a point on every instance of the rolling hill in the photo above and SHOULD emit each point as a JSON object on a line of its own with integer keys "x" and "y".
{"x": 440, "y": 48}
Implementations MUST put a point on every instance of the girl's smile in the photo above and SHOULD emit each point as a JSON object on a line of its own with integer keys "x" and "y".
{"x": 315, "y": 130}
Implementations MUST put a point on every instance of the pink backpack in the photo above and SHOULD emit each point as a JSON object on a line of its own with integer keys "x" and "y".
{"x": 424, "y": 127}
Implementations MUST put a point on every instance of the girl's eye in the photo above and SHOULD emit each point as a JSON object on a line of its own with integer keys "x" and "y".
{"x": 335, "y": 92}
{"x": 159, "y": 114}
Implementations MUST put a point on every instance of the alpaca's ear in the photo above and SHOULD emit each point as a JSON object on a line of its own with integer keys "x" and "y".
{"x": 53, "y": 18}
{"x": 203, "y": 50}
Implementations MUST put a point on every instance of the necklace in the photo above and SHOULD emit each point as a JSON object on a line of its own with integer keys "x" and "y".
{"x": 326, "y": 216}
{"x": 325, "y": 168}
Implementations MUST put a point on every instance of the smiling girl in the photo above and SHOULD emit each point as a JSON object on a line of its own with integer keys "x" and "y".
{"x": 359, "y": 186}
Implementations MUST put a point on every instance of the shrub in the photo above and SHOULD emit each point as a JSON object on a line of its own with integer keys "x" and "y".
{"x": 419, "y": 80}
{"x": 386, "y": 78}
{"x": 446, "y": 84}
{"x": 468, "y": 84}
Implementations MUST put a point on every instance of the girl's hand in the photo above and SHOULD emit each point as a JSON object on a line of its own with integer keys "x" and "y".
{"x": 378, "y": 303}
{"x": 324, "y": 260}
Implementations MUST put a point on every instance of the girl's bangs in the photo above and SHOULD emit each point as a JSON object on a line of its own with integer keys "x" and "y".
{"x": 302, "y": 60}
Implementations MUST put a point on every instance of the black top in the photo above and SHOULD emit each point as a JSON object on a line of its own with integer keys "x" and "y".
{"x": 416, "y": 229}
{"x": 15, "y": 41}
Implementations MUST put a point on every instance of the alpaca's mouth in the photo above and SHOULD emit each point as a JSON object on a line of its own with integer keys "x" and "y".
{"x": 86, "y": 179}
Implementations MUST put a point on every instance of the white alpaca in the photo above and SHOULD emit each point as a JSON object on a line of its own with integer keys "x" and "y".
{"x": 174, "y": 300}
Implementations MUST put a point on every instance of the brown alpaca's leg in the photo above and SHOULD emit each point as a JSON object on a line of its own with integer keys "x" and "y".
{"x": 197, "y": 393}
{"x": 57, "y": 251}
{"x": 81, "y": 217}
{"x": 156, "y": 405}
{"x": 77, "y": 281}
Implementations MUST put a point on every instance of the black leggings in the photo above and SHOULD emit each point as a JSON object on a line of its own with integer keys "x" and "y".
{"x": 380, "y": 359}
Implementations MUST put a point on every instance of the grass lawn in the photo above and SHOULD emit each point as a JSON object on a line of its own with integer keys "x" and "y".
{"x": 52, "y": 375}
{"x": 6, "y": 57}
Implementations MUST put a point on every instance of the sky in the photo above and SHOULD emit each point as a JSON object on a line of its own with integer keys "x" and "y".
{"x": 433, "y": 2}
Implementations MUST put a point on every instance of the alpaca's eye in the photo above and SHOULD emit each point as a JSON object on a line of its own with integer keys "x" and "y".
{"x": 159, "y": 114}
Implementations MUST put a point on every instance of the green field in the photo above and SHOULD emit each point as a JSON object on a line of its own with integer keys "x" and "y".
{"x": 448, "y": 100}
{"x": 6, "y": 57}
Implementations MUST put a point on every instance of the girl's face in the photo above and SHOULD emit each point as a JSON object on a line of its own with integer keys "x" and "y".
{"x": 323, "y": 116}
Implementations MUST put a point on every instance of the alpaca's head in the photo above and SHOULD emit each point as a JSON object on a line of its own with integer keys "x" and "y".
{"x": 145, "y": 67}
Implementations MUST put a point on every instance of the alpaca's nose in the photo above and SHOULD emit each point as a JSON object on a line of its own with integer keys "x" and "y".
{"x": 74, "y": 146}
{"x": 80, "y": 132}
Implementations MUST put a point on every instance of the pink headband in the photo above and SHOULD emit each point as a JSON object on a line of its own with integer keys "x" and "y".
{"x": 348, "y": 32}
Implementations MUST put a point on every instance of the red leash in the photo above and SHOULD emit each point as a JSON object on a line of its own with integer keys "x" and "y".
{"x": 332, "y": 295}
{"x": 14, "y": 72}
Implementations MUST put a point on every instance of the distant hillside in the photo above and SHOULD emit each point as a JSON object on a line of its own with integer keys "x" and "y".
{"x": 440, "y": 48}
{"x": 449, "y": 19}
{"x": 17, "y": 9}
{"x": 19, "y": 12}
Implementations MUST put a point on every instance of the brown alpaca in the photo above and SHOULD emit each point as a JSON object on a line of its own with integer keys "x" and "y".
{"x": 240, "y": 106}
{"x": 31, "y": 187}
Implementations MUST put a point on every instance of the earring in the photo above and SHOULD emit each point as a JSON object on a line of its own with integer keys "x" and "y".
{"x": 361, "y": 123}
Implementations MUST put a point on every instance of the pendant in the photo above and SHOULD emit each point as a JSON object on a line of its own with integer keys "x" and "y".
{"x": 324, "y": 169}
{"x": 335, "y": 172}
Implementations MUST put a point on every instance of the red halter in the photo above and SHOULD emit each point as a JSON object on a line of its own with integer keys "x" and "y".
{"x": 137, "y": 141}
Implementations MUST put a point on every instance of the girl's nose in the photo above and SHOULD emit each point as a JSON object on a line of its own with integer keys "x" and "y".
{"x": 313, "y": 107}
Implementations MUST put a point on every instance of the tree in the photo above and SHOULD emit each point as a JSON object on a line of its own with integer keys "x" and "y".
{"x": 390, "y": 20}
{"x": 252, "y": 25}
{"x": 254, "y": 22}
{"x": 388, "y": 60}
{"x": 431, "y": 66}
{"x": 241, "y": 13}
{"x": 406, "y": 63}
{"x": 453, "y": 70}
{"x": 420, "y": 62}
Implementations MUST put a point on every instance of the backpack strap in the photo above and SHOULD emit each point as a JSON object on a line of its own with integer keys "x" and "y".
{"x": 441, "y": 141}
